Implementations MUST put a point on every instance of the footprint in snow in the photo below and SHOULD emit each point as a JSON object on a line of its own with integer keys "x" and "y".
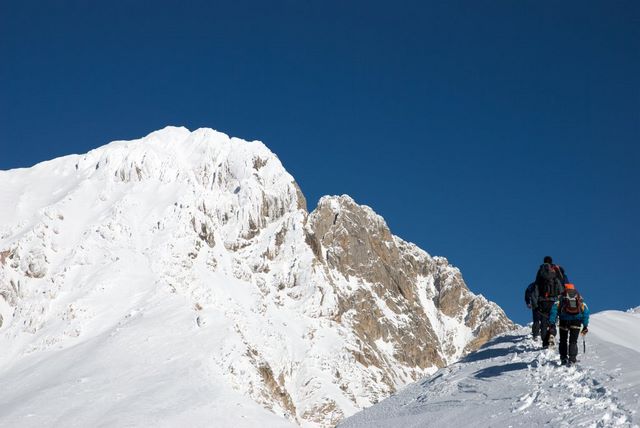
{"x": 528, "y": 400}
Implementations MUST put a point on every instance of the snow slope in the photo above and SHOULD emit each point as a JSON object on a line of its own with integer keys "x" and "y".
{"x": 121, "y": 303}
{"x": 512, "y": 382}
{"x": 146, "y": 370}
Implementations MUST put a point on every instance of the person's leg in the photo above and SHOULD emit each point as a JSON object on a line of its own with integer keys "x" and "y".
{"x": 535, "y": 327}
{"x": 574, "y": 332}
{"x": 562, "y": 347}
{"x": 544, "y": 329}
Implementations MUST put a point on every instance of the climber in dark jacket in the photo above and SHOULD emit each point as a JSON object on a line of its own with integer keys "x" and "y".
{"x": 549, "y": 284}
{"x": 535, "y": 326}
{"x": 574, "y": 315}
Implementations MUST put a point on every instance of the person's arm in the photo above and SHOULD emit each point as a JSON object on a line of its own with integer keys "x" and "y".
{"x": 585, "y": 316}
{"x": 534, "y": 297}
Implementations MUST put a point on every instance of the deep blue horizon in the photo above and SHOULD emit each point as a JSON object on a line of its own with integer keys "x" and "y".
{"x": 490, "y": 133}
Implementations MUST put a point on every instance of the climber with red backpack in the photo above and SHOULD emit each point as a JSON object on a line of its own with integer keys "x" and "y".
{"x": 549, "y": 285}
{"x": 574, "y": 319}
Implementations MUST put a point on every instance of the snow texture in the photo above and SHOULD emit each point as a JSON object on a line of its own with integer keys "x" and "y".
{"x": 512, "y": 382}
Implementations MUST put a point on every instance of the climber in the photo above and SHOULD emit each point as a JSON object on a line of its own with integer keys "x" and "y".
{"x": 549, "y": 284}
{"x": 574, "y": 315}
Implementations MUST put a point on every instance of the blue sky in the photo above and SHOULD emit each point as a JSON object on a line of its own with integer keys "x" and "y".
{"x": 492, "y": 133}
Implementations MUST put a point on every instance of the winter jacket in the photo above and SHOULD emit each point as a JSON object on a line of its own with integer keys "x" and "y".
{"x": 582, "y": 316}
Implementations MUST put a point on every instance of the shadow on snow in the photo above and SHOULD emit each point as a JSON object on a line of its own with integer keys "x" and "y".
{"x": 488, "y": 351}
{"x": 494, "y": 371}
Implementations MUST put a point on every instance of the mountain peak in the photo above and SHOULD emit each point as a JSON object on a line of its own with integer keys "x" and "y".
{"x": 346, "y": 204}
{"x": 187, "y": 237}
{"x": 169, "y": 133}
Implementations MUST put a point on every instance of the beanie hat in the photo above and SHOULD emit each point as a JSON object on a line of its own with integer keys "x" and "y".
{"x": 548, "y": 259}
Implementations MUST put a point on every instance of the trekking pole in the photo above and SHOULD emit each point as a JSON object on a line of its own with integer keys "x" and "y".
{"x": 584, "y": 345}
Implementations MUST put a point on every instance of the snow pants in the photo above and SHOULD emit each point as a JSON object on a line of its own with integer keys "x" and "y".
{"x": 544, "y": 328}
{"x": 535, "y": 327}
{"x": 569, "y": 330}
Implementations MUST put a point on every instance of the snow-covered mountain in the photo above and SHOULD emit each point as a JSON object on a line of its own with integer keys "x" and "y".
{"x": 179, "y": 279}
{"x": 511, "y": 382}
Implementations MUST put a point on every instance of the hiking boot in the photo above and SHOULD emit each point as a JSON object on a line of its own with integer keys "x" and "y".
{"x": 564, "y": 361}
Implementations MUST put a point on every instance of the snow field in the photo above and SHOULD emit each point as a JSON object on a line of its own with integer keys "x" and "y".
{"x": 512, "y": 382}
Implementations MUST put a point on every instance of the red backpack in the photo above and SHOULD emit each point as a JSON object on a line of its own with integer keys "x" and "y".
{"x": 571, "y": 302}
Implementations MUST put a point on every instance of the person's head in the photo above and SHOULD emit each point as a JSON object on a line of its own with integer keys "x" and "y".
{"x": 548, "y": 259}
{"x": 569, "y": 286}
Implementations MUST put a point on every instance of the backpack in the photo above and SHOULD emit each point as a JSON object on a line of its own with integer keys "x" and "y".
{"x": 549, "y": 274}
{"x": 571, "y": 302}
{"x": 548, "y": 283}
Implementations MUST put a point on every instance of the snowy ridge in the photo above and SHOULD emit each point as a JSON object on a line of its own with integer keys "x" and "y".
{"x": 192, "y": 254}
{"x": 512, "y": 382}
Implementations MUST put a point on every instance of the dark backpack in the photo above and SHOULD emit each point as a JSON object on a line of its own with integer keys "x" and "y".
{"x": 545, "y": 301}
{"x": 549, "y": 275}
{"x": 571, "y": 302}
{"x": 548, "y": 282}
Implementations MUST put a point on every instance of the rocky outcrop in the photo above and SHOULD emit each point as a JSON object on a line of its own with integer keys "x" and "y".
{"x": 357, "y": 244}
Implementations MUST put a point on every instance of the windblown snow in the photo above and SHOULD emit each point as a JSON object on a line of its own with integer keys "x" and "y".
{"x": 178, "y": 280}
{"x": 512, "y": 382}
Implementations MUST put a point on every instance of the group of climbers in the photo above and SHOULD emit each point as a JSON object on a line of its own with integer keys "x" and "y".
{"x": 551, "y": 297}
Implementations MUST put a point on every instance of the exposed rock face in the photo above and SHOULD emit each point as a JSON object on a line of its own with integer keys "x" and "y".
{"x": 357, "y": 243}
{"x": 365, "y": 311}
